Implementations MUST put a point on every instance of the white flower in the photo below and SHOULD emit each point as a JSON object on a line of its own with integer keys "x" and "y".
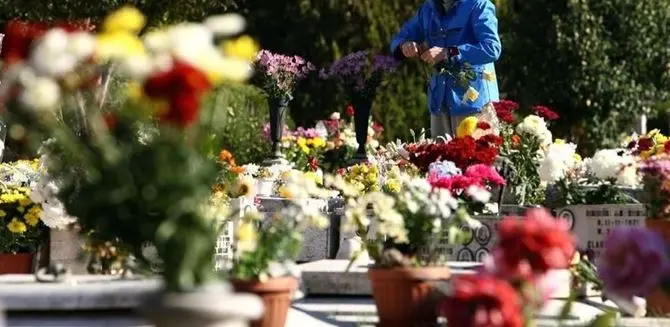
{"x": 478, "y": 194}
{"x": 41, "y": 94}
{"x": 605, "y": 164}
{"x": 137, "y": 67}
{"x": 81, "y": 45}
{"x": 557, "y": 161}
{"x": 536, "y": 126}
{"x": 335, "y": 116}
{"x": 251, "y": 169}
{"x": 228, "y": 24}
{"x": 157, "y": 42}
{"x": 628, "y": 176}
{"x": 50, "y": 56}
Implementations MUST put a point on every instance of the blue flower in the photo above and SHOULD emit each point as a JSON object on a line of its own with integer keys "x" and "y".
{"x": 444, "y": 169}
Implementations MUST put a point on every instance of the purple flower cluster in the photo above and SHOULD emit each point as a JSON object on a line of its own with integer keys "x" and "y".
{"x": 282, "y": 72}
{"x": 266, "y": 131}
{"x": 306, "y": 132}
{"x": 634, "y": 262}
{"x": 357, "y": 68}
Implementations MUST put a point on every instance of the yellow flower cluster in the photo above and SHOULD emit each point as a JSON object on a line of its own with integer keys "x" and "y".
{"x": 18, "y": 211}
{"x": 307, "y": 144}
{"x": 363, "y": 177}
{"x": 658, "y": 144}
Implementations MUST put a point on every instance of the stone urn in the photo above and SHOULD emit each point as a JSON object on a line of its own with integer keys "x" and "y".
{"x": 265, "y": 187}
{"x": 214, "y": 306}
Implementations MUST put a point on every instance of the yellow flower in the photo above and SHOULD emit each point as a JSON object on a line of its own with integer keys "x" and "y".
{"x": 247, "y": 237}
{"x": 244, "y": 47}
{"x": 467, "y": 127}
{"x": 3, "y": 213}
{"x": 118, "y": 45}
{"x": 488, "y": 76}
{"x": 32, "y": 219}
{"x": 21, "y": 209}
{"x": 577, "y": 157}
{"x": 25, "y": 202}
{"x": 559, "y": 141}
{"x": 392, "y": 185}
{"x": 125, "y": 19}
{"x": 470, "y": 95}
{"x": 314, "y": 176}
{"x": 17, "y": 227}
{"x": 244, "y": 187}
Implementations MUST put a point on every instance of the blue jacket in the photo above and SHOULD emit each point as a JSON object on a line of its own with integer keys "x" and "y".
{"x": 472, "y": 27}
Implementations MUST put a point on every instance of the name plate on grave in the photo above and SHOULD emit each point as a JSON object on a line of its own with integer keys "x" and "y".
{"x": 592, "y": 223}
{"x": 476, "y": 247}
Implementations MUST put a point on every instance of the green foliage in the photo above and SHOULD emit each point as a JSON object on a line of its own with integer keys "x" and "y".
{"x": 600, "y": 64}
{"x": 240, "y": 113}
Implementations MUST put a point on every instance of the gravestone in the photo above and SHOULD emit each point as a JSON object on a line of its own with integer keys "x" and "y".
{"x": 316, "y": 242}
{"x": 224, "y": 243}
{"x": 592, "y": 223}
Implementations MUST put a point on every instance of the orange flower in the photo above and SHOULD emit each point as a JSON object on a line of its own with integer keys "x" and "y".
{"x": 237, "y": 169}
{"x": 516, "y": 140}
{"x": 225, "y": 155}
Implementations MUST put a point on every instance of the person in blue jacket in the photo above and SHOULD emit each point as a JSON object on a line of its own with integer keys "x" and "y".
{"x": 455, "y": 31}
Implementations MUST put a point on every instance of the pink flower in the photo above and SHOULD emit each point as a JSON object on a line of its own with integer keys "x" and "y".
{"x": 485, "y": 172}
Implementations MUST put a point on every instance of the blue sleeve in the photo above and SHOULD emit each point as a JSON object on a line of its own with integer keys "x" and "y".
{"x": 412, "y": 30}
{"x": 485, "y": 26}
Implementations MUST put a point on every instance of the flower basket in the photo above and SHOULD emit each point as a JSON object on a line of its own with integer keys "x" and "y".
{"x": 16, "y": 263}
{"x": 404, "y": 295}
{"x": 658, "y": 302}
{"x": 276, "y": 295}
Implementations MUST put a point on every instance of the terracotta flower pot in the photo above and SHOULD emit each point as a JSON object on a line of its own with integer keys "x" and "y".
{"x": 20, "y": 263}
{"x": 404, "y": 296}
{"x": 658, "y": 302}
{"x": 276, "y": 295}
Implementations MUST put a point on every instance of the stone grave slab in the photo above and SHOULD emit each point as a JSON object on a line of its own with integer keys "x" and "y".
{"x": 79, "y": 292}
{"x": 592, "y": 223}
{"x": 317, "y": 243}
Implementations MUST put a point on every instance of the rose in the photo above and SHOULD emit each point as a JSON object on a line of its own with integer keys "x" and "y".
{"x": 349, "y": 110}
{"x": 482, "y": 300}
{"x": 634, "y": 261}
{"x": 532, "y": 246}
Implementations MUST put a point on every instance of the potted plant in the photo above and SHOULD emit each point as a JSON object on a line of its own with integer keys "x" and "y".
{"x": 22, "y": 232}
{"x": 403, "y": 233}
{"x": 266, "y": 250}
{"x": 361, "y": 74}
{"x": 277, "y": 75}
{"x": 141, "y": 170}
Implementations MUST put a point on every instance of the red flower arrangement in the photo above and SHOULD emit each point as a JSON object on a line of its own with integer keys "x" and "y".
{"x": 545, "y": 112}
{"x": 182, "y": 87}
{"x": 505, "y": 110}
{"x": 482, "y": 300}
{"x": 530, "y": 247}
{"x": 462, "y": 151}
{"x": 20, "y": 35}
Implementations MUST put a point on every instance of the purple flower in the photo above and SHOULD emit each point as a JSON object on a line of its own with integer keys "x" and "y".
{"x": 306, "y": 133}
{"x": 266, "y": 132}
{"x": 281, "y": 72}
{"x": 357, "y": 67}
{"x": 634, "y": 261}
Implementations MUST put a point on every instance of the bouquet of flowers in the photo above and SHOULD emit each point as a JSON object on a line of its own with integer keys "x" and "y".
{"x": 656, "y": 174}
{"x": 360, "y": 72}
{"x": 118, "y": 179}
{"x": 462, "y": 151}
{"x": 473, "y": 186}
{"x": 21, "y": 229}
{"x": 278, "y": 74}
{"x": 405, "y": 227}
{"x": 651, "y": 144}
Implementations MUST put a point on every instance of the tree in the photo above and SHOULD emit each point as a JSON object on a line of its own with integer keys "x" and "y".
{"x": 600, "y": 63}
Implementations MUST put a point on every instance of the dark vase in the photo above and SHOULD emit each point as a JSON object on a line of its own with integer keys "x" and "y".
{"x": 277, "y": 106}
{"x": 362, "y": 109}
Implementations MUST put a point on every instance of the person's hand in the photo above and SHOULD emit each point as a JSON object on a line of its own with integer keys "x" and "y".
{"x": 434, "y": 55}
{"x": 410, "y": 49}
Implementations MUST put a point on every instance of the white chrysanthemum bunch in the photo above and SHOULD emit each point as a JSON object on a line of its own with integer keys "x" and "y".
{"x": 612, "y": 164}
{"x": 559, "y": 158}
{"x": 535, "y": 126}
{"x": 45, "y": 192}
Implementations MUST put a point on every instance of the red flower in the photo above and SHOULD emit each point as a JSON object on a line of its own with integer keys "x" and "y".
{"x": 530, "y": 247}
{"x": 349, "y": 111}
{"x": 545, "y": 112}
{"x": 18, "y": 40}
{"x": 516, "y": 140}
{"x": 504, "y": 110}
{"x": 182, "y": 87}
{"x": 313, "y": 163}
{"x": 110, "y": 120}
{"x": 644, "y": 144}
{"x": 481, "y": 301}
{"x": 483, "y": 125}
{"x": 377, "y": 127}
